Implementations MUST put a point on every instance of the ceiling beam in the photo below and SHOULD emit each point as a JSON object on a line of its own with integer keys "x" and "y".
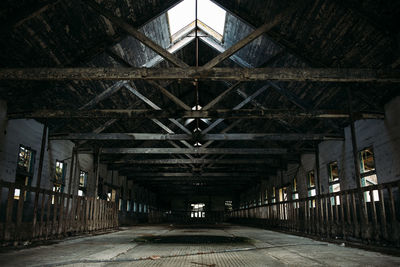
{"x": 170, "y": 151}
{"x": 220, "y": 114}
{"x": 146, "y": 175}
{"x": 191, "y": 73}
{"x": 206, "y": 137}
{"x": 193, "y": 161}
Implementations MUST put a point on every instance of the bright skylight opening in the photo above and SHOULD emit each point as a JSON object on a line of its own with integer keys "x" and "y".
{"x": 184, "y": 13}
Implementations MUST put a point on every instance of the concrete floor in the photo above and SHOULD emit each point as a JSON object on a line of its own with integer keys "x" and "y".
{"x": 262, "y": 248}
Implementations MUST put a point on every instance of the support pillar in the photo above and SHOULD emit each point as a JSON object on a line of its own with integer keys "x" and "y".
{"x": 361, "y": 201}
{"x": 39, "y": 178}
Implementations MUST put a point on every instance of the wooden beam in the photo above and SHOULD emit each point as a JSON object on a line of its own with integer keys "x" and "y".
{"x": 146, "y": 175}
{"x": 206, "y": 137}
{"x": 191, "y": 73}
{"x": 220, "y": 113}
{"x": 135, "y": 33}
{"x": 170, "y": 151}
{"x": 220, "y": 96}
{"x": 237, "y": 107}
{"x": 104, "y": 95}
{"x": 193, "y": 161}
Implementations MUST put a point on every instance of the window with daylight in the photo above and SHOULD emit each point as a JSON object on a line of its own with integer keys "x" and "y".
{"x": 82, "y": 183}
{"x": 111, "y": 195}
{"x": 283, "y": 194}
{"x": 198, "y": 210}
{"x": 266, "y": 196}
{"x": 209, "y": 15}
{"x": 228, "y": 205}
{"x": 273, "y": 199}
{"x": 311, "y": 187}
{"x": 368, "y": 172}
{"x": 25, "y": 168}
{"x": 334, "y": 183}
{"x": 295, "y": 193}
{"x": 128, "y": 205}
{"x": 59, "y": 177}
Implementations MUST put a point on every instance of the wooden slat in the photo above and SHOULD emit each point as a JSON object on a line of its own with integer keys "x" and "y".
{"x": 20, "y": 208}
{"x": 48, "y": 213}
{"x": 10, "y": 204}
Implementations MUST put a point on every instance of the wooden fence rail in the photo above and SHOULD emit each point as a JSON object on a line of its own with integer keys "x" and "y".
{"x": 28, "y": 213}
{"x": 370, "y": 214}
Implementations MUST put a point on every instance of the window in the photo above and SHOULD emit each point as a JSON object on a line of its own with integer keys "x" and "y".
{"x": 228, "y": 205}
{"x": 209, "y": 15}
{"x": 134, "y": 206}
{"x": 111, "y": 195}
{"x": 282, "y": 194}
{"x": 128, "y": 205}
{"x": 273, "y": 199}
{"x": 295, "y": 193}
{"x": 25, "y": 159}
{"x": 59, "y": 177}
{"x": 334, "y": 183}
{"x": 198, "y": 210}
{"x": 82, "y": 183}
{"x": 311, "y": 187}
{"x": 266, "y": 197}
{"x": 368, "y": 172}
{"x": 25, "y": 168}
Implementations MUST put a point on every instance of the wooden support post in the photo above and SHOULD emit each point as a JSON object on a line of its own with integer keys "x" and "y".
{"x": 356, "y": 160}
{"x": 68, "y": 217}
{"x": 96, "y": 171}
{"x": 39, "y": 178}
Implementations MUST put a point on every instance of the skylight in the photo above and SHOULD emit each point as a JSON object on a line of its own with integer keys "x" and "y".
{"x": 209, "y": 13}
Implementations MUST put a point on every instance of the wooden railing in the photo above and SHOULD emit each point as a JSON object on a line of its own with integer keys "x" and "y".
{"x": 43, "y": 214}
{"x": 369, "y": 214}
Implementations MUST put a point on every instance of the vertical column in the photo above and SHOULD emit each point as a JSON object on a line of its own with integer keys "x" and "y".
{"x": 316, "y": 220}
{"x": 96, "y": 170}
{"x": 39, "y": 178}
{"x": 68, "y": 217}
{"x": 361, "y": 202}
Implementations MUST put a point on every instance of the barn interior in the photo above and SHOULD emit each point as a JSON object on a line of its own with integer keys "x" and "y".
{"x": 261, "y": 123}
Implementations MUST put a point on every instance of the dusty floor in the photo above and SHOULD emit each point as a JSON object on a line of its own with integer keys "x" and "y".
{"x": 131, "y": 247}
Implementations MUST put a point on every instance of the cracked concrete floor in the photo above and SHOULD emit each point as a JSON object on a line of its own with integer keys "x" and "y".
{"x": 126, "y": 248}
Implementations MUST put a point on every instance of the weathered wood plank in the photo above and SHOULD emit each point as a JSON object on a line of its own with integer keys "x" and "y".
{"x": 191, "y": 73}
{"x": 194, "y": 161}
